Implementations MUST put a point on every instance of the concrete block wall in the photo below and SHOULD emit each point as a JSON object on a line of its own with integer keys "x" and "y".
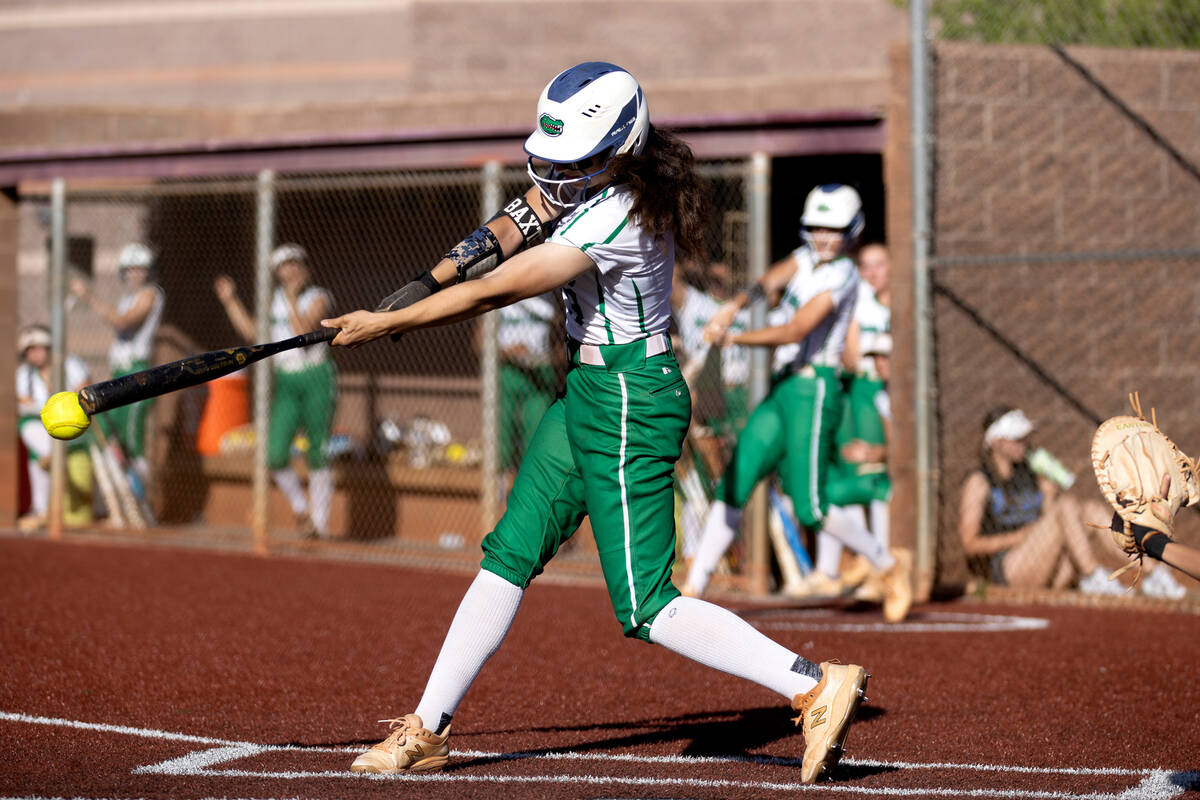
{"x": 252, "y": 71}
{"x": 1030, "y": 159}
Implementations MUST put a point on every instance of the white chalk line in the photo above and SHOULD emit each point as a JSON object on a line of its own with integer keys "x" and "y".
{"x": 927, "y": 622}
{"x": 1155, "y": 783}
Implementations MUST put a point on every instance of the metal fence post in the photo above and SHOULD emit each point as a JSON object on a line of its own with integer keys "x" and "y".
{"x": 58, "y": 343}
{"x": 264, "y": 242}
{"x": 758, "y": 244}
{"x": 489, "y": 371}
{"x": 924, "y": 388}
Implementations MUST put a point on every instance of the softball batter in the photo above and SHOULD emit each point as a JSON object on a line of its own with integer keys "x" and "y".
{"x": 622, "y": 197}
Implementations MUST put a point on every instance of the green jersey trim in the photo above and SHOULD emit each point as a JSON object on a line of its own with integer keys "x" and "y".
{"x": 641, "y": 308}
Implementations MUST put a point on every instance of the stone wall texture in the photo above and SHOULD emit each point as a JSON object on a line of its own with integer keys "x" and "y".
{"x": 1032, "y": 160}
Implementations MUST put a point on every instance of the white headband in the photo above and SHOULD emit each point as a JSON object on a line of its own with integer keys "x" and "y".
{"x": 1014, "y": 425}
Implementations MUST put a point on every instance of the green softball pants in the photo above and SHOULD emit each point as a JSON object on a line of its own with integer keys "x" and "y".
{"x": 605, "y": 449}
{"x": 792, "y": 432}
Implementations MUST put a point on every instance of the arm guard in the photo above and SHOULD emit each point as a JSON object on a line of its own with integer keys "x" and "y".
{"x": 532, "y": 229}
{"x": 476, "y": 255}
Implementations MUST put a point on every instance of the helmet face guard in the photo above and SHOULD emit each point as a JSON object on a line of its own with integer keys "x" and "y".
{"x": 558, "y": 187}
{"x": 834, "y": 206}
{"x": 586, "y": 115}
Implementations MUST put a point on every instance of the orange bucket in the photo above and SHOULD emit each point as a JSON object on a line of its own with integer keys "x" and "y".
{"x": 228, "y": 406}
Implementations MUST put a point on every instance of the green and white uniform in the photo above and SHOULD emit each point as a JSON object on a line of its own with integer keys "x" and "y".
{"x": 690, "y": 318}
{"x": 607, "y": 447}
{"x": 524, "y": 339}
{"x": 850, "y": 483}
{"x": 131, "y": 351}
{"x": 792, "y": 430}
{"x": 305, "y": 387}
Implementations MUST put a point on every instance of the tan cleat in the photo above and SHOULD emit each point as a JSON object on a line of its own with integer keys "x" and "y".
{"x": 826, "y": 713}
{"x": 858, "y": 571}
{"x": 410, "y": 748}
{"x": 897, "y": 586}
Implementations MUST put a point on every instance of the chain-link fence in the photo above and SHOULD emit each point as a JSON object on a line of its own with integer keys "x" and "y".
{"x": 1064, "y": 244}
{"x": 417, "y": 440}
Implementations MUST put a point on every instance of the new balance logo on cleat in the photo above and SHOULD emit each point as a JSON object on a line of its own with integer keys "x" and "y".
{"x": 410, "y": 748}
{"x": 826, "y": 713}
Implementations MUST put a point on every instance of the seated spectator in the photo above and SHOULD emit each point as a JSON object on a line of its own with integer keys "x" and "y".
{"x": 1021, "y": 525}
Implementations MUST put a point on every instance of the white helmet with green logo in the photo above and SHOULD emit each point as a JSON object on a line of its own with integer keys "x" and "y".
{"x": 836, "y": 206}
{"x": 592, "y": 109}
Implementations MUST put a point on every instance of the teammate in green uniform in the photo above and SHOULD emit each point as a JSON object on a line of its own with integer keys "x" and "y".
{"x": 622, "y": 197}
{"x": 859, "y": 486}
{"x": 792, "y": 429}
{"x": 134, "y": 321}
{"x": 304, "y": 383}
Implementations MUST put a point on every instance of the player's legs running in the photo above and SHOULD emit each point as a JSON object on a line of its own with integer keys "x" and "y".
{"x": 758, "y": 451}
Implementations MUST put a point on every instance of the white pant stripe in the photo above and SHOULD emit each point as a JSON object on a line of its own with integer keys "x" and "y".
{"x": 814, "y": 463}
{"x": 633, "y": 601}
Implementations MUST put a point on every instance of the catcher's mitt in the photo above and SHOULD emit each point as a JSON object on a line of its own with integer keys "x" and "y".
{"x": 1143, "y": 475}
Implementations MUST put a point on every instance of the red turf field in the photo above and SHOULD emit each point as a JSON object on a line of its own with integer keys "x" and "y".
{"x": 134, "y": 672}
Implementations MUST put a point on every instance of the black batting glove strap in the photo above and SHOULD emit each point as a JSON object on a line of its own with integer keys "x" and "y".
{"x": 427, "y": 278}
{"x": 754, "y": 292}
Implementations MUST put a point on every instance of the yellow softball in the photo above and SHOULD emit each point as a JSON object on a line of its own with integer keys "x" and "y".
{"x": 63, "y": 417}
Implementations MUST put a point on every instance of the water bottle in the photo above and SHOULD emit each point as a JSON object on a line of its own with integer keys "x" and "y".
{"x": 1043, "y": 462}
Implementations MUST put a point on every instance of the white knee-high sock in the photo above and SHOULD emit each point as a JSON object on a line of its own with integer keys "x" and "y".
{"x": 843, "y": 524}
{"x": 718, "y": 638}
{"x": 289, "y": 483}
{"x": 881, "y": 522}
{"x": 482, "y": 621}
{"x": 719, "y": 531}
{"x": 829, "y": 554}
{"x": 320, "y": 497}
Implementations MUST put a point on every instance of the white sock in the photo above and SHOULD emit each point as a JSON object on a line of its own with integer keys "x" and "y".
{"x": 482, "y": 621}
{"x": 289, "y": 483}
{"x": 719, "y": 531}
{"x": 39, "y": 489}
{"x": 829, "y": 554}
{"x": 320, "y": 497}
{"x": 718, "y": 638}
{"x": 881, "y": 522}
{"x": 842, "y": 523}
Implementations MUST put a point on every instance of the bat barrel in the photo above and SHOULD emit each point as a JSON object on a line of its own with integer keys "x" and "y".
{"x": 186, "y": 372}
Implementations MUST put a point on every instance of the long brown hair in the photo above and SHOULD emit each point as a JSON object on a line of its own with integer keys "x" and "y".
{"x": 668, "y": 194}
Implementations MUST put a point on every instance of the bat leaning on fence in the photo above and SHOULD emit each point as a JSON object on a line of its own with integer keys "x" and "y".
{"x": 186, "y": 372}
{"x": 128, "y": 507}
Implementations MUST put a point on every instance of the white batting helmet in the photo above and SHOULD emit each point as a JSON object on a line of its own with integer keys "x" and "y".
{"x": 836, "y": 206}
{"x": 591, "y": 109}
{"x": 135, "y": 255}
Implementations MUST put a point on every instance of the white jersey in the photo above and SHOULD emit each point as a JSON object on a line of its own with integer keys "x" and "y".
{"x": 626, "y": 296}
{"x": 525, "y": 327}
{"x": 883, "y": 404}
{"x": 823, "y": 347}
{"x": 32, "y": 391}
{"x": 691, "y": 317}
{"x": 296, "y": 360}
{"x": 874, "y": 319}
{"x": 138, "y": 344}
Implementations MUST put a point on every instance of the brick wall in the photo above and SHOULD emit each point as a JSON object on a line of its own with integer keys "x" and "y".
{"x": 1032, "y": 159}
{"x": 260, "y": 74}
